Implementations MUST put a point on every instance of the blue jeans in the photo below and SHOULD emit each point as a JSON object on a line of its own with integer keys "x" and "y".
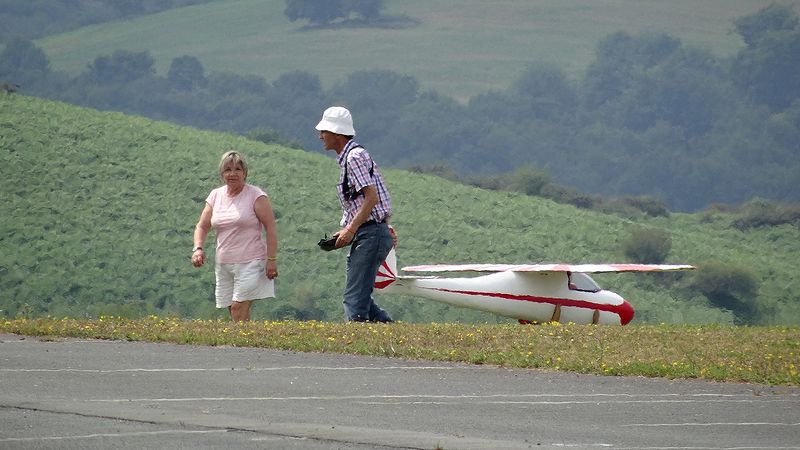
{"x": 368, "y": 250}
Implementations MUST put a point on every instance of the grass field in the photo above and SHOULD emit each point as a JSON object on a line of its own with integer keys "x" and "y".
{"x": 459, "y": 48}
{"x": 762, "y": 355}
{"x": 98, "y": 211}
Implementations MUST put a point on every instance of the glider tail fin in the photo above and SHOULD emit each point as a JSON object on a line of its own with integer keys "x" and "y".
{"x": 387, "y": 272}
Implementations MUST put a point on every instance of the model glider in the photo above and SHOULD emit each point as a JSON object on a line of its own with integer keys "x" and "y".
{"x": 526, "y": 292}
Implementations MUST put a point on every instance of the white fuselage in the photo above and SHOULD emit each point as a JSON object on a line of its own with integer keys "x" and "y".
{"x": 534, "y": 297}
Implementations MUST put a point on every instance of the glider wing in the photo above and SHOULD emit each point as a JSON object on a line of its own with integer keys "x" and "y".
{"x": 578, "y": 268}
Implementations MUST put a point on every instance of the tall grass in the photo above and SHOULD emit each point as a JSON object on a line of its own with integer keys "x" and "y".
{"x": 763, "y": 355}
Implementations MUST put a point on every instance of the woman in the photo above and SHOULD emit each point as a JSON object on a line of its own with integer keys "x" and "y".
{"x": 245, "y": 267}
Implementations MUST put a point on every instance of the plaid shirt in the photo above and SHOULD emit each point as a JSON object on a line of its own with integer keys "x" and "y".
{"x": 361, "y": 172}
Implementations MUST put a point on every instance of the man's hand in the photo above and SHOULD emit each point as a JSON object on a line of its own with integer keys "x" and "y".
{"x": 344, "y": 237}
{"x": 327, "y": 243}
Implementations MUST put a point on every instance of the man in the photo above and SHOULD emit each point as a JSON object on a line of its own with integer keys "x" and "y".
{"x": 366, "y": 209}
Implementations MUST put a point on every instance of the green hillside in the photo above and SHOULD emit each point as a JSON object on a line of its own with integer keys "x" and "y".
{"x": 98, "y": 211}
{"x": 459, "y": 48}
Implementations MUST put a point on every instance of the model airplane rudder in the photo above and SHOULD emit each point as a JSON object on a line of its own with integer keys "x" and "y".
{"x": 387, "y": 272}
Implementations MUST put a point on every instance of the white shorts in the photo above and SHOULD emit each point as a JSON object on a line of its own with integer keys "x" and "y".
{"x": 242, "y": 282}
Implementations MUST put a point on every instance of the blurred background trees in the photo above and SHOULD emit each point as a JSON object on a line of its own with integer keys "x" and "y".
{"x": 651, "y": 117}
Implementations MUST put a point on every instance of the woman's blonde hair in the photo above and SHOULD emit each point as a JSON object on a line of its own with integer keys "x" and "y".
{"x": 236, "y": 158}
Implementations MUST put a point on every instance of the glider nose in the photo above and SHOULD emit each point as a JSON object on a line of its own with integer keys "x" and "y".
{"x": 625, "y": 312}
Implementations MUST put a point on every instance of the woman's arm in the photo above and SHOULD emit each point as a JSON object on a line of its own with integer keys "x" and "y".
{"x": 200, "y": 233}
{"x": 263, "y": 210}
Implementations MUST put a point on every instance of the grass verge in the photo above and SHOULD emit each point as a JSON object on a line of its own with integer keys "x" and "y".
{"x": 763, "y": 355}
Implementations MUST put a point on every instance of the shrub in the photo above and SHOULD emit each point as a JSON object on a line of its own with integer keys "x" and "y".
{"x": 763, "y": 213}
{"x": 651, "y": 206}
{"x": 730, "y": 287}
{"x": 647, "y": 246}
{"x": 527, "y": 180}
{"x": 714, "y": 211}
{"x": 570, "y": 196}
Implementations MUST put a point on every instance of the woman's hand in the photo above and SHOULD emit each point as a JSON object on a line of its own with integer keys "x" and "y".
{"x": 198, "y": 257}
{"x": 272, "y": 269}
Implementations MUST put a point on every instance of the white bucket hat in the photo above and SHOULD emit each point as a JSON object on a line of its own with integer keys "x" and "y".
{"x": 337, "y": 119}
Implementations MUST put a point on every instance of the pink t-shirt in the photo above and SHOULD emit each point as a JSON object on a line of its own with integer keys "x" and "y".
{"x": 237, "y": 228}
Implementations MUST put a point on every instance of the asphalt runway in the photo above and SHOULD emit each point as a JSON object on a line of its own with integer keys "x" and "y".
{"x": 89, "y": 394}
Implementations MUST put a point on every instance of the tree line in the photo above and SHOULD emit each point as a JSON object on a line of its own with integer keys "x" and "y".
{"x": 35, "y": 19}
{"x": 650, "y": 117}
{"x": 324, "y": 12}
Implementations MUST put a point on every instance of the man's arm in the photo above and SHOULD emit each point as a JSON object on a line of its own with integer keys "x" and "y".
{"x": 346, "y": 234}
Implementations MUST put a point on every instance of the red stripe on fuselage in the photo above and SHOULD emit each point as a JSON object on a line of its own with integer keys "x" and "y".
{"x": 530, "y": 298}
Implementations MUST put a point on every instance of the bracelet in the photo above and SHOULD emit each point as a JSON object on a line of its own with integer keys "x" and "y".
{"x": 272, "y": 258}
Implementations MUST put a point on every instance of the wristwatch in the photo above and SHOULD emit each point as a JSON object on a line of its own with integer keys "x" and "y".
{"x": 197, "y": 248}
